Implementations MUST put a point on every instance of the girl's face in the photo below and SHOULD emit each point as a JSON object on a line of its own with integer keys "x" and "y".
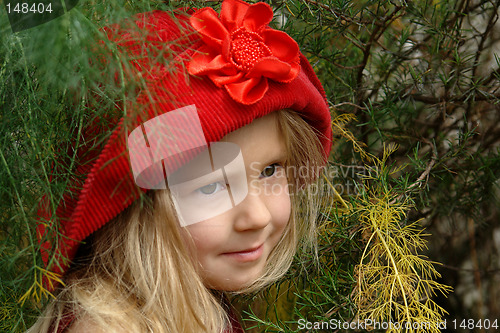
{"x": 232, "y": 248}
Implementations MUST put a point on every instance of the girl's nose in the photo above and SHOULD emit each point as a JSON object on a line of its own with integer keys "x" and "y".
{"x": 252, "y": 213}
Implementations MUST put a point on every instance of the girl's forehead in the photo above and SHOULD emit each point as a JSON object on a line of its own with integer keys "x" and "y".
{"x": 261, "y": 142}
{"x": 260, "y": 133}
{"x": 258, "y": 142}
{"x": 266, "y": 122}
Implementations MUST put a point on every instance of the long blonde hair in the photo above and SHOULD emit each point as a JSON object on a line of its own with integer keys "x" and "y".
{"x": 136, "y": 274}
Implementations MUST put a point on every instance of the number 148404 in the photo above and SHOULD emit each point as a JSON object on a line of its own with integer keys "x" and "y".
{"x": 25, "y": 8}
{"x": 472, "y": 323}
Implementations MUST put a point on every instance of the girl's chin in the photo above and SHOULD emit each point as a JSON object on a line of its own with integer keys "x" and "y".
{"x": 232, "y": 285}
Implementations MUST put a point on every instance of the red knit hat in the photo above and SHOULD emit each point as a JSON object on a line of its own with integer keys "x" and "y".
{"x": 232, "y": 67}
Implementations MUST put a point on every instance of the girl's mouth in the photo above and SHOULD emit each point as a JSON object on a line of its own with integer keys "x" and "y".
{"x": 246, "y": 255}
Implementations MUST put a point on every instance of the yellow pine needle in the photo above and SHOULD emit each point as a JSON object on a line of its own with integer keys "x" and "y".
{"x": 394, "y": 283}
{"x": 337, "y": 195}
{"x": 339, "y": 123}
{"x": 37, "y": 290}
{"x": 289, "y": 10}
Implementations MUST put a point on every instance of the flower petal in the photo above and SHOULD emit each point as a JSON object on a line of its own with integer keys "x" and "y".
{"x": 282, "y": 45}
{"x": 249, "y": 91}
{"x": 274, "y": 69}
{"x": 258, "y": 16}
{"x": 293, "y": 72}
{"x": 232, "y": 13}
{"x": 207, "y": 23}
{"x": 221, "y": 80}
{"x": 204, "y": 63}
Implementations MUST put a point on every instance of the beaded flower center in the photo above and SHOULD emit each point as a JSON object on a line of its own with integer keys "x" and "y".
{"x": 247, "y": 48}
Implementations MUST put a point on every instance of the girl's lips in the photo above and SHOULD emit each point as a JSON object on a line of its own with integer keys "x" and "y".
{"x": 247, "y": 255}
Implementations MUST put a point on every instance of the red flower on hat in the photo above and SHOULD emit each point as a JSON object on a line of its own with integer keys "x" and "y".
{"x": 240, "y": 52}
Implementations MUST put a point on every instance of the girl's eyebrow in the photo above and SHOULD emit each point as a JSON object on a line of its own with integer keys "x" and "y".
{"x": 277, "y": 157}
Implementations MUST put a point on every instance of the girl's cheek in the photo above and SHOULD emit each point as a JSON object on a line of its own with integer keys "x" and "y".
{"x": 287, "y": 209}
{"x": 280, "y": 204}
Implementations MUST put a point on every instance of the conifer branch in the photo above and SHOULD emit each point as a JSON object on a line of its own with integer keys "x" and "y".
{"x": 395, "y": 283}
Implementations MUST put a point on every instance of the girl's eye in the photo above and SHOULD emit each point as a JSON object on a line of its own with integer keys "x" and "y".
{"x": 211, "y": 188}
{"x": 270, "y": 170}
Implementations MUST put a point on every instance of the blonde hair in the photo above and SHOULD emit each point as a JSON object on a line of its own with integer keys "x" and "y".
{"x": 139, "y": 276}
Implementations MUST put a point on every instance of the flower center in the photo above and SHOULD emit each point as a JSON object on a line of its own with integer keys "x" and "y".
{"x": 247, "y": 48}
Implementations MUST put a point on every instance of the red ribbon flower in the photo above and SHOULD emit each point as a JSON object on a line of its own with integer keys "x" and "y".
{"x": 240, "y": 52}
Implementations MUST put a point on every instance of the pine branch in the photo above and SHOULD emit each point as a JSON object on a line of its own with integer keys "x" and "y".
{"x": 395, "y": 283}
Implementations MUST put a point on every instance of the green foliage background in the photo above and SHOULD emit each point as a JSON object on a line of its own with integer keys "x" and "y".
{"x": 422, "y": 75}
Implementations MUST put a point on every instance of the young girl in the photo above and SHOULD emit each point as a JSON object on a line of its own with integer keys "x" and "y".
{"x": 201, "y": 189}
